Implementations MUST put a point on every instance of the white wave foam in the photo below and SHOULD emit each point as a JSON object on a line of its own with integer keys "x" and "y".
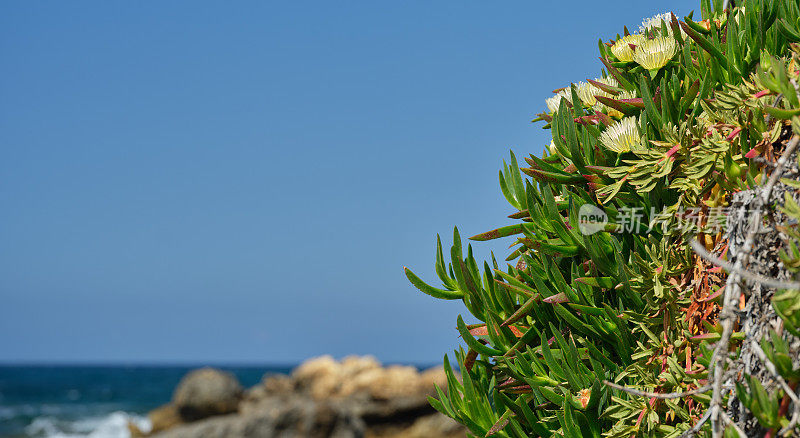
{"x": 114, "y": 425}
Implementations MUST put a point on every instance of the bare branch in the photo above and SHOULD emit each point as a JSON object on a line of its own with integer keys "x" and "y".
{"x": 733, "y": 290}
{"x": 670, "y": 395}
{"x": 728, "y": 420}
{"x": 792, "y": 424}
{"x": 744, "y": 273}
{"x": 696, "y": 428}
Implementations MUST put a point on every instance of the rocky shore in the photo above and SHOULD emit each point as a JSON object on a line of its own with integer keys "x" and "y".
{"x": 353, "y": 398}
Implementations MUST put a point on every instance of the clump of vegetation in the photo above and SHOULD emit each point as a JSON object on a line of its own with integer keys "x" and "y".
{"x": 614, "y": 316}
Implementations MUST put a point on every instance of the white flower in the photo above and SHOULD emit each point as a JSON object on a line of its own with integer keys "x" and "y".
{"x": 655, "y": 21}
{"x": 608, "y": 80}
{"x": 622, "y": 49}
{"x": 626, "y": 94}
{"x": 654, "y": 54}
{"x": 621, "y": 136}
{"x": 739, "y": 13}
{"x": 654, "y": 24}
{"x": 554, "y": 102}
{"x": 588, "y": 91}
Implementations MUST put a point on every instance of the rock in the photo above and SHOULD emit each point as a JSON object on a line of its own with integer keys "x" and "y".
{"x": 352, "y": 398}
{"x": 433, "y": 377}
{"x": 320, "y": 377}
{"x": 384, "y": 384}
{"x": 435, "y": 425}
{"x": 164, "y": 417}
{"x": 206, "y": 392}
{"x": 134, "y": 431}
{"x": 323, "y": 377}
{"x": 278, "y": 384}
{"x": 278, "y": 417}
{"x": 271, "y": 386}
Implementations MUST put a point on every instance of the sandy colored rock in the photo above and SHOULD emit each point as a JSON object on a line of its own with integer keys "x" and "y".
{"x": 278, "y": 384}
{"x": 435, "y": 425}
{"x": 278, "y": 417}
{"x": 206, "y": 392}
{"x": 324, "y": 377}
{"x": 163, "y": 418}
{"x": 323, "y": 398}
{"x": 383, "y": 384}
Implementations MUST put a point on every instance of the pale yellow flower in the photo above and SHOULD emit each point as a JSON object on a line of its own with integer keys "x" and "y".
{"x": 622, "y": 49}
{"x": 653, "y": 25}
{"x": 627, "y": 94}
{"x": 608, "y": 80}
{"x": 587, "y": 91}
{"x": 621, "y": 136}
{"x": 655, "y": 21}
{"x": 654, "y": 54}
{"x": 554, "y": 102}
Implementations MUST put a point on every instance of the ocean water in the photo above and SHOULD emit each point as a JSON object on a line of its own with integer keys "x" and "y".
{"x": 92, "y": 401}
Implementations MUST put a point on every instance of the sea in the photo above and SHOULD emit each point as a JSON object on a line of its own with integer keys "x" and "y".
{"x": 48, "y": 401}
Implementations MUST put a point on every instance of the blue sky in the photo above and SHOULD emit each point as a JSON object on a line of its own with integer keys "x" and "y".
{"x": 244, "y": 181}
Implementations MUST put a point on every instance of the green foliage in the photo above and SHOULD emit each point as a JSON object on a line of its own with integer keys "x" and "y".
{"x": 675, "y": 123}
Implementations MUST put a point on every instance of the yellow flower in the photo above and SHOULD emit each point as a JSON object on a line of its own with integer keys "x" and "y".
{"x": 621, "y": 136}
{"x": 654, "y": 54}
{"x": 622, "y": 49}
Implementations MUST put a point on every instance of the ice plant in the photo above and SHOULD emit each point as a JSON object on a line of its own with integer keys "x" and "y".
{"x": 626, "y": 94}
{"x": 652, "y": 26}
{"x": 554, "y": 102}
{"x": 654, "y": 22}
{"x": 622, "y": 136}
{"x": 587, "y": 91}
{"x": 580, "y": 330}
{"x": 622, "y": 47}
{"x": 655, "y": 53}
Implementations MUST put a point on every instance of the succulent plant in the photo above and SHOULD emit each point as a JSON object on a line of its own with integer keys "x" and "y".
{"x": 602, "y": 320}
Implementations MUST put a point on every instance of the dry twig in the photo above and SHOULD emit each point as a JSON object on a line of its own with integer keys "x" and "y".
{"x": 744, "y": 273}
{"x": 733, "y": 290}
{"x": 670, "y": 395}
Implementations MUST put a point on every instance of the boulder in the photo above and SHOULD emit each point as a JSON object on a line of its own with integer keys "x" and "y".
{"x": 323, "y": 398}
{"x": 272, "y": 385}
{"x": 164, "y": 417}
{"x": 275, "y": 384}
{"x": 386, "y": 383}
{"x": 206, "y": 392}
{"x": 434, "y": 425}
{"x": 324, "y": 377}
{"x": 278, "y": 417}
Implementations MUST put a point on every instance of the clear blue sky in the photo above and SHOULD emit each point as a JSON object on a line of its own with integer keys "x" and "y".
{"x": 244, "y": 181}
